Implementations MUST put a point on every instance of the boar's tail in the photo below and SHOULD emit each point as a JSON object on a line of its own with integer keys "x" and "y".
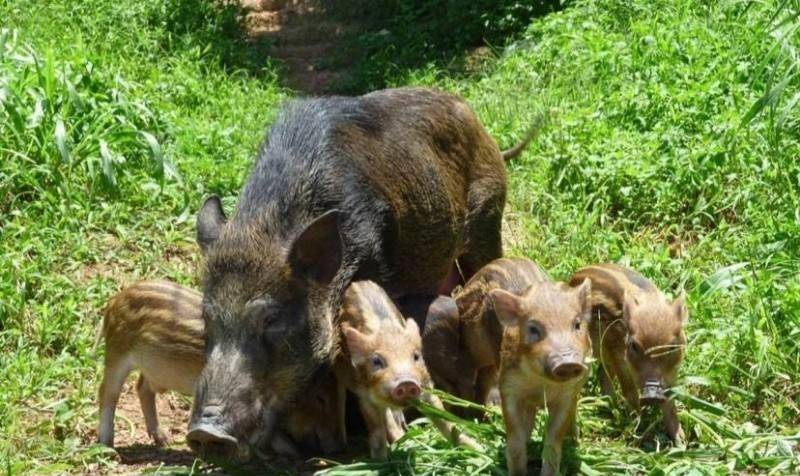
{"x": 538, "y": 124}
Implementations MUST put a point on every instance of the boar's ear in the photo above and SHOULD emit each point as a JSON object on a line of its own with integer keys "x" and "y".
{"x": 358, "y": 344}
{"x": 679, "y": 306}
{"x": 210, "y": 221}
{"x": 507, "y": 307}
{"x": 316, "y": 253}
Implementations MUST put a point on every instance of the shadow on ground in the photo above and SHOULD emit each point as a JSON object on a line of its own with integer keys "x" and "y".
{"x": 349, "y": 46}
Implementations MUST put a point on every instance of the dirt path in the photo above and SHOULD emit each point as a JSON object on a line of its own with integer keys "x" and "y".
{"x": 304, "y": 37}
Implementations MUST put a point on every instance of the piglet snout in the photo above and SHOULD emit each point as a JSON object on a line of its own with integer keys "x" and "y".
{"x": 652, "y": 393}
{"x": 406, "y": 391}
{"x": 564, "y": 367}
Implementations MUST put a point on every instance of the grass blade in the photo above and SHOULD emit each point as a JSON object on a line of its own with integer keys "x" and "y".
{"x": 61, "y": 141}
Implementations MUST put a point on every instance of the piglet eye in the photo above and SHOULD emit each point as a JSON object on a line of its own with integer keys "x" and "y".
{"x": 577, "y": 324}
{"x": 634, "y": 348}
{"x": 378, "y": 362}
{"x": 417, "y": 356}
{"x": 534, "y": 334}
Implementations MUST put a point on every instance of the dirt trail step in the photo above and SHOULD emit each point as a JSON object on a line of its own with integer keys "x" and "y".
{"x": 303, "y": 36}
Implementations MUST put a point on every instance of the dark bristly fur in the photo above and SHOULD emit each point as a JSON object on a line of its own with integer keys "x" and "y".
{"x": 156, "y": 327}
{"x": 393, "y": 186}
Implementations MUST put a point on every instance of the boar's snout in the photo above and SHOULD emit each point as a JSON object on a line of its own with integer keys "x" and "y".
{"x": 405, "y": 391}
{"x": 565, "y": 366}
{"x": 207, "y": 435}
{"x": 652, "y": 393}
{"x": 211, "y": 440}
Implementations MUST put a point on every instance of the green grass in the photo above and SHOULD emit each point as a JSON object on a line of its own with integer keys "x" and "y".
{"x": 674, "y": 148}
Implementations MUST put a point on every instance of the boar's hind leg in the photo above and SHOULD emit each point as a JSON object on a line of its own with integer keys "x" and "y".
{"x": 147, "y": 399}
{"x": 114, "y": 375}
{"x": 484, "y": 219}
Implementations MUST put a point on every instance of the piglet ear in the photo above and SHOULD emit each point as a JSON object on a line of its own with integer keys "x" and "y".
{"x": 507, "y": 307}
{"x": 443, "y": 307}
{"x": 628, "y": 303}
{"x": 316, "y": 253}
{"x": 358, "y": 344}
{"x": 584, "y": 295}
{"x": 680, "y": 309}
{"x": 412, "y": 329}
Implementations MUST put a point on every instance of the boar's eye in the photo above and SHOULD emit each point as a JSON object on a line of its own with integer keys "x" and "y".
{"x": 417, "y": 356}
{"x": 378, "y": 362}
{"x": 577, "y": 324}
{"x": 534, "y": 334}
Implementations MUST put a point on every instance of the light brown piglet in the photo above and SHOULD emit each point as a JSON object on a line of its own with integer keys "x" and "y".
{"x": 157, "y": 328}
{"x": 462, "y": 336}
{"x": 521, "y": 331}
{"x": 638, "y": 338}
{"x": 381, "y": 362}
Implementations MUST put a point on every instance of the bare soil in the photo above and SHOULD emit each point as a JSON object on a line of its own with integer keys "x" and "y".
{"x": 303, "y": 37}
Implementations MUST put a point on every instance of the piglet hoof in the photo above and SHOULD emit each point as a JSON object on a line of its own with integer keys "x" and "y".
{"x": 159, "y": 438}
{"x": 494, "y": 400}
{"x": 466, "y": 441}
{"x": 679, "y": 438}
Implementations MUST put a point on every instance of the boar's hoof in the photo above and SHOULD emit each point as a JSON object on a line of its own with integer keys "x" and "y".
{"x": 652, "y": 394}
{"x": 210, "y": 440}
{"x": 406, "y": 391}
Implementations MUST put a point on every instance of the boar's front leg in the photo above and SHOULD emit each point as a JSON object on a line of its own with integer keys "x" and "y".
{"x": 672, "y": 422}
{"x": 375, "y": 418}
{"x": 560, "y": 420}
{"x": 518, "y": 416}
{"x": 486, "y": 199}
{"x": 341, "y": 411}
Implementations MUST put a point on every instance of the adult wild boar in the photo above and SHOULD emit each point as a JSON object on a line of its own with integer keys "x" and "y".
{"x": 393, "y": 187}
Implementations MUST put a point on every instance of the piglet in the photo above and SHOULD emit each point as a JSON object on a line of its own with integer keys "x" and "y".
{"x": 543, "y": 363}
{"x": 638, "y": 338}
{"x": 380, "y": 361}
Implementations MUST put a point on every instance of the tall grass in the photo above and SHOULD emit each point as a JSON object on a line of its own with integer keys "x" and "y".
{"x": 674, "y": 148}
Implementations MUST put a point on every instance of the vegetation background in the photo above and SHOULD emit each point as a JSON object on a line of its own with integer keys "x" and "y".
{"x": 674, "y": 149}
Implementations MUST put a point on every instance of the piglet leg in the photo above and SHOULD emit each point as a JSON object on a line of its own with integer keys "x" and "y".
{"x": 518, "y": 416}
{"x": 561, "y": 418}
{"x": 375, "y": 419}
{"x": 673, "y": 423}
{"x": 447, "y": 429}
{"x": 147, "y": 399}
